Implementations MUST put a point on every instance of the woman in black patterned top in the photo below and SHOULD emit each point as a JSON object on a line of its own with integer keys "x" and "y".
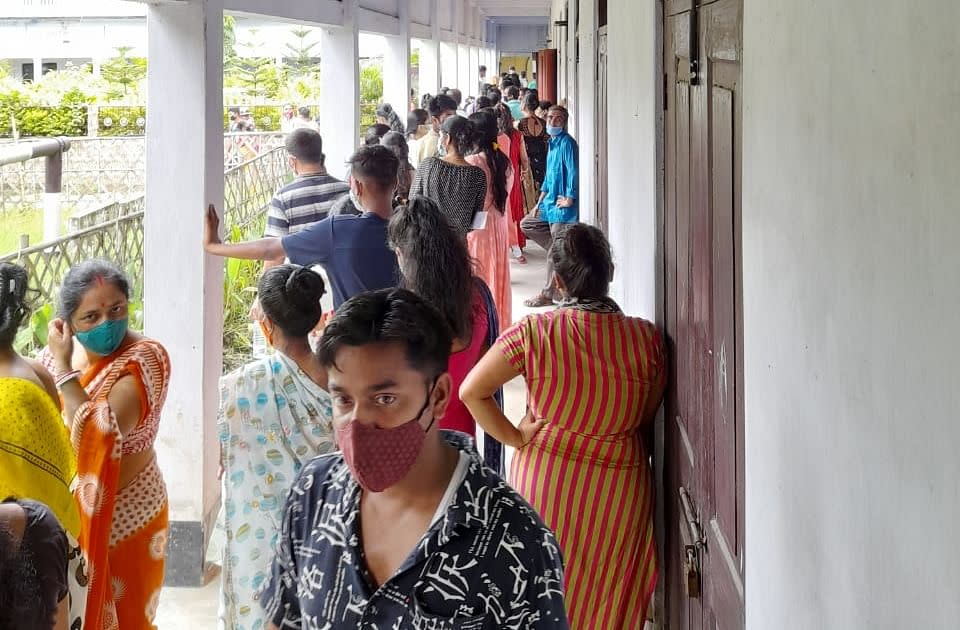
{"x": 453, "y": 184}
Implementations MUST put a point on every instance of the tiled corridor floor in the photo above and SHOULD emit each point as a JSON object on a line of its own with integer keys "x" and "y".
{"x": 196, "y": 608}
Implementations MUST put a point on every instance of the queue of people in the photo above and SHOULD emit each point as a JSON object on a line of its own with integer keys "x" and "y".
{"x": 349, "y": 454}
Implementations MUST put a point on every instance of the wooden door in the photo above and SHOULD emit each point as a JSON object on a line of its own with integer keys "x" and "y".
{"x": 547, "y": 74}
{"x": 704, "y": 468}
{"x": 600, "y": 134}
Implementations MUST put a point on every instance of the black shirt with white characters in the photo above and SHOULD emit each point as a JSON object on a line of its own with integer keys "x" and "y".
{"x": 489, "y": 562}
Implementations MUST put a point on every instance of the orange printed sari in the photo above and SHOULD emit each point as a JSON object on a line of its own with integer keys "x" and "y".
{"x": 123, "y": 530}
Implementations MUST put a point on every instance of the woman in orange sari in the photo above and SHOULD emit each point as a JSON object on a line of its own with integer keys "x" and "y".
{"x": 113, "y": 386}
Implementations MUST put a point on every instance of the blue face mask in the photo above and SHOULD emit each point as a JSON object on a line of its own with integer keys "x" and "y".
{"x": 554, "y": 131}
{"x": 104, "y": 338}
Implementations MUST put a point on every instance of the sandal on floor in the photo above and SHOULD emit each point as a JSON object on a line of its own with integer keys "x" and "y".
{"x": 521, "y": 259}
{"x": 540, "y": 301}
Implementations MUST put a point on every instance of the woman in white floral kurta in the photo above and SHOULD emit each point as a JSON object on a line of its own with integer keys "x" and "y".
{"x": 274, "y": 417}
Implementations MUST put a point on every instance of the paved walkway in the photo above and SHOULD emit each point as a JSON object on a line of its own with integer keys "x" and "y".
{"x": 196, "y": 608}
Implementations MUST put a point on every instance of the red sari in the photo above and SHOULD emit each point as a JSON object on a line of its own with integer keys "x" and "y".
{"x": 515, "y": 200}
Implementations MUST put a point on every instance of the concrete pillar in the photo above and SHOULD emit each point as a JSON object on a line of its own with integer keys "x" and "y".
{"x": 464, "y": 71}
{"x": 37, "y": 68}
{"x": 340, "y": 90}
{"x": 448, "y": 64}
{"x": 584, "y": 114}
{"x": 396, "y": 65}
{"x": 430, "y": 68}
{"x": 474, "y": 75}
{"x": 183, "y": 287}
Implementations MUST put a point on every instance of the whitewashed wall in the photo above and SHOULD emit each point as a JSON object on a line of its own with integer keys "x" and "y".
{"x": 521, "y": 39}
{"x": 851, "y": 224}
{"x": 633, "y": 164}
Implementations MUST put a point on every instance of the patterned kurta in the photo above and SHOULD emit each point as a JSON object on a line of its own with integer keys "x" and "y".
{"x": 596, "y": 378}
{"x": 488, "y": 563}
{"x": 273, "y": 419}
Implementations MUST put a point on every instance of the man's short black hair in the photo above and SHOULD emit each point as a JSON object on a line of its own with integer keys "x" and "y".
{"x": 390, "y": 316}
{"x": 306, "y": 145}
{"x": 494, "y": 95}
{"x": 440, "y": 104}
{"x": 513, "y": 93}
{"x": 375, "y": 165}
{"x": 304, "y": 112}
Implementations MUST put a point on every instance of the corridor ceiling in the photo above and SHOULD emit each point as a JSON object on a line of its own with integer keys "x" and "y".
{"x": 513, "y": 8}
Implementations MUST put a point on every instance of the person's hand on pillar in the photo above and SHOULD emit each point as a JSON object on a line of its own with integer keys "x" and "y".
{"x": 211, "y": 228}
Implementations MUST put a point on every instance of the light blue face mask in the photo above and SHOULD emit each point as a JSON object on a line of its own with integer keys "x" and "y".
{"x": 554, "y": 131}
{"x": 105, "y": 338}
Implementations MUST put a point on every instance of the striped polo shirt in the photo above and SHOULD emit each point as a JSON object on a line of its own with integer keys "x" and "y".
{"x": 303, "y": 202}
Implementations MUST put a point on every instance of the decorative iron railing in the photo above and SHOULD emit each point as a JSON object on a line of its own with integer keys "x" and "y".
{"x": 118, "y": 234}
{"x": 98, "y": 171}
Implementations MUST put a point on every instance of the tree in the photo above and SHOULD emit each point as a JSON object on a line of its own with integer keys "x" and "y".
{"x": 123, "y": 71}
{"x": 229, "y": 42}
{"x": 257, "y": 75}
{"x": 300, "y": 59}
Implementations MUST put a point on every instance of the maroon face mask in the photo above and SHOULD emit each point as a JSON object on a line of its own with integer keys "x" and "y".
{"x": 379, "y": 458}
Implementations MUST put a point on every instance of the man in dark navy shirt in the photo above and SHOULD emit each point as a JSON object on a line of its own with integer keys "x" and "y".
{"x": 405, "y": 527}
{"x": 352, "y": 249}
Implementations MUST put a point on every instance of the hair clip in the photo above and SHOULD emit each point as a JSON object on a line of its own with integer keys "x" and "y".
{"x": 12, "y": 284}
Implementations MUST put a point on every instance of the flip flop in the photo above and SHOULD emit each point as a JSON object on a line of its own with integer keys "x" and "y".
{"x": 538, "y": 302}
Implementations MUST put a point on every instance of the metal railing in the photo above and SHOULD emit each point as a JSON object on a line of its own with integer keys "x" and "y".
{"x": 98, "y": 171}
{"x": 248, "y": 190}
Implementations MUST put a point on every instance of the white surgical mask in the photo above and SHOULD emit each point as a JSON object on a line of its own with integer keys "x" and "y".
{"x": 356, "y": 202}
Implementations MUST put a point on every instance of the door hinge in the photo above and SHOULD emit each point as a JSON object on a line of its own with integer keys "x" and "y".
{"x": 694, "y": 542}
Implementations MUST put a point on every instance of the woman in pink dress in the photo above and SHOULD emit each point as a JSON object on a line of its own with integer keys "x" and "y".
{"x": 490, "y": 245}
{"x": 435, "y": 265}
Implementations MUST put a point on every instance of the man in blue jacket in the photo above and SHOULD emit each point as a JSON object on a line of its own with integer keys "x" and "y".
{"x": 557, "y": 208}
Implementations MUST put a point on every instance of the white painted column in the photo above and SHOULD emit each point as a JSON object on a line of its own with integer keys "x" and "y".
{"x": 183, "y": 287}
{"x": 474, "y": 72}
{"x": 464, "y": 72}
{"x": 429, "y": 67}
{"x": 585, "y": 111}
{"x": 396, "y": 65}
{"x": 570, "y": 69}
{"x": 340, "y": 90}
{"x": 430, "y": 71}
{"x": 37, "y": 68}
{"x": 448, "y": 64}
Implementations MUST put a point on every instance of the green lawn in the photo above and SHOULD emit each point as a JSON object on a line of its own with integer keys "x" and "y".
{"x": 13, "y": 223}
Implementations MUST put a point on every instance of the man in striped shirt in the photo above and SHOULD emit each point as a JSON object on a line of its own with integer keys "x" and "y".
{"x": 308, "y": 198}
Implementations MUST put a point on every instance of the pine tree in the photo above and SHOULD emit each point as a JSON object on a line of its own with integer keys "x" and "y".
{"x": 300, "y": 59}
{"x": 123, "y": 70}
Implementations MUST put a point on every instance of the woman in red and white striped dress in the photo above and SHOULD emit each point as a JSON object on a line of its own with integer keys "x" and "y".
{"x": 596, "y": 379}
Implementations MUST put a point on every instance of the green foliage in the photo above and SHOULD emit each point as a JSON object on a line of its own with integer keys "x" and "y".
{"x": 239, "y": 292}
{"x": 229, "y": 41}
{"x": 14, "y": 222}
{"x": 301, "y": 60}
{"x": 123, "y": 73}
{"x": 258, "y": 76}
{"x": 33, "y": 336}
{"x": 371, "y": 91}
{"x": 122, "y": 120}
{"x": 56, "y": 105}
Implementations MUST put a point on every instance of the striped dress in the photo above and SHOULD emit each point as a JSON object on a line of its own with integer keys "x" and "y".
{"x": 597, "y": 378}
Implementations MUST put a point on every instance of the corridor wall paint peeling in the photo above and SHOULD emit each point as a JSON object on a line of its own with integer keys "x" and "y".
{"x": 850, "y": 226}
